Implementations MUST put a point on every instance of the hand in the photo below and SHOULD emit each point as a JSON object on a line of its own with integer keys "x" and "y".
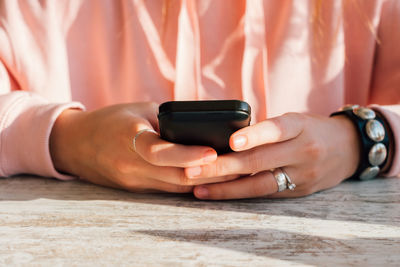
{"x": 97, "y": 147}
{"x": 316, "y": 152}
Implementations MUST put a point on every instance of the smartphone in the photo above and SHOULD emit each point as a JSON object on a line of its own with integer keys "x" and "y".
{"x": 206, "y": 123}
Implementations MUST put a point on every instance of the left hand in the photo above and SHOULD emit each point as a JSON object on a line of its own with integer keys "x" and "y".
{"x": 316, "y": 152}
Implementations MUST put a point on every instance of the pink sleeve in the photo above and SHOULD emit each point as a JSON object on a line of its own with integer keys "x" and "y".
{"x": 385, "y": 88}
{"x": 26, "y": 121}
{"x": 392, "y": 115}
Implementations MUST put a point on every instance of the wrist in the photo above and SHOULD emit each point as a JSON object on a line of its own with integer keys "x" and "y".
{"x": 348, "y": 139}
{"x": 62, "y": 136}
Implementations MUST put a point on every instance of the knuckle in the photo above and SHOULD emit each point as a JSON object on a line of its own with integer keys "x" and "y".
{"x": 313, "y": 174}
{"x": 300, "y": 120}
{"x": 297, "y": 116}
{"x": 314, "y": 150}
{"x": 122, "y": 166}
{"x": 152, "y": 104}
{"x": 136, "y": 123}
{"x": 279, "y": 123}
{"x": 294, "y": 116}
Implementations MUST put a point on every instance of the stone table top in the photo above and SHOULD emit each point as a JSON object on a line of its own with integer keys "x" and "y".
{"x": 50, "y": 222}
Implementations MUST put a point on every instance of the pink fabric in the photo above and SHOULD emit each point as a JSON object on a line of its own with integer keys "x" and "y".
{"x": 279, "y": 56}
{"x": 392, "y": 115}
{"x": 26, "y": 124}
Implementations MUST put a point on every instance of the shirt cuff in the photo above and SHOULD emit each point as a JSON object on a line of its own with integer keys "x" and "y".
{"x": 25, "y": 132}
{"x": 392, "y": 116}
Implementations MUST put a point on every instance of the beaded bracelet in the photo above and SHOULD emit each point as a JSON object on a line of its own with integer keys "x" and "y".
{"x": 374, "y": 140}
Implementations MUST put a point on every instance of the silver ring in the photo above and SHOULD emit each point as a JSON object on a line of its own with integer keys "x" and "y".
{"x": 290, "y": 184}
{"x": 138, "y": 134}
{"x": 281, "y": 180}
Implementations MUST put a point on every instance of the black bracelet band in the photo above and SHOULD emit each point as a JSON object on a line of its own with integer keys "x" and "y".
{"x": 374, "y": 140}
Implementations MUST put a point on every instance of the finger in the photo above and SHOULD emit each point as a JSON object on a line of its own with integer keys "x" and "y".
{"x": 303, "y": 187}
{"x": 162, "y": 153}
{"x": 131, "y": 168}
{"x": 272, "y": 130}
{"x": 167, "y": 187}
{"x": 258, "y": 159}
{"x": 173, "y": 175}
{"x": 150, "y": 185}
{"x": 213, "y": 180}
{"x": 260, "y": 185}
{"x": 307, "y": 184}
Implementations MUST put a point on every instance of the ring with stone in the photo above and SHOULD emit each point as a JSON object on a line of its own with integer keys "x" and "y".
{"x": 290, "y": 184}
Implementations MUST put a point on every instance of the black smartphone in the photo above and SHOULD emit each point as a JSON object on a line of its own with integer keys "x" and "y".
{"x": 208, "y": 122}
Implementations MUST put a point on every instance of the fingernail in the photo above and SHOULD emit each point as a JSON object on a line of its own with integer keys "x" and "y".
{"x": 209, "y": 156}
{"x": 193, "y": 171}
{"x": 201, "y": 192}
{"x": 239, "y": 141}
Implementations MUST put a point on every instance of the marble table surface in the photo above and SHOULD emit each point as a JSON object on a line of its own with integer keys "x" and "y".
{"x": 48, "y": 222}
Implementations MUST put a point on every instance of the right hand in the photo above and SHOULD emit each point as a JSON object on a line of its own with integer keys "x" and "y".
{"x": 97, "y": 146}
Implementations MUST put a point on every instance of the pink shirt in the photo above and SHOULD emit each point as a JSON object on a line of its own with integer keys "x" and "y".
{"x": 279, "y": 56}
